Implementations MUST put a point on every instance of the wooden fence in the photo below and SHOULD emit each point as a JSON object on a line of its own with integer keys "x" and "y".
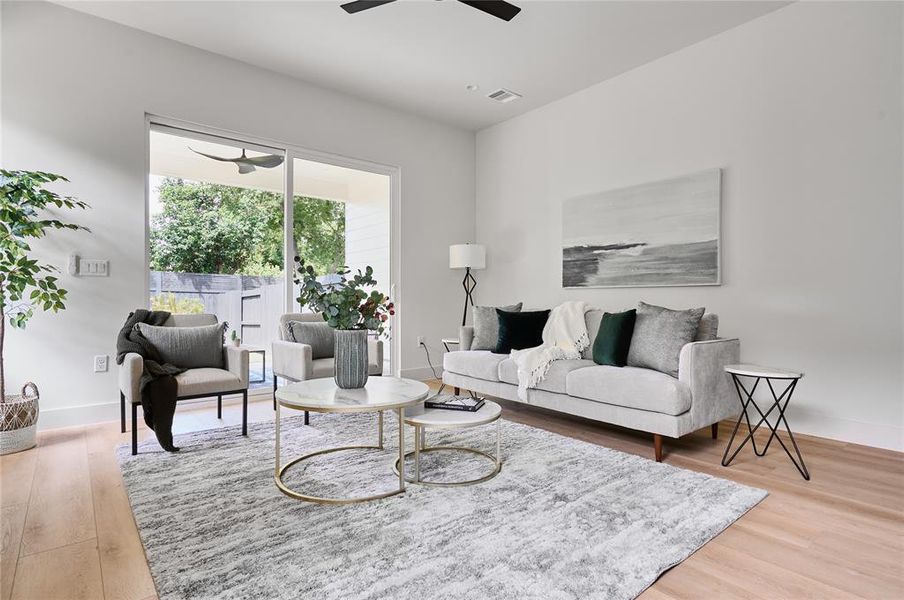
{"x": 250, "y": 304}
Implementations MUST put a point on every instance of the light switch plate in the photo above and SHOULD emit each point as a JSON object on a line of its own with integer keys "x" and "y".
{"x": 101, "y": 363}
{"x": 92, "y": 267}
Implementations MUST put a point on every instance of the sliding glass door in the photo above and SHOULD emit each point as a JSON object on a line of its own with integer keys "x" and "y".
{"x": 223, "y": 232}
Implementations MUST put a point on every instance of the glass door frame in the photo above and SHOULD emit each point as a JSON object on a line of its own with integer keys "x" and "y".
{"x": 291, "y": 152}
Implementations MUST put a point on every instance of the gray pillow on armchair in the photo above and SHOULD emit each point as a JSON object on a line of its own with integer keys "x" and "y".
{"x": 319, "y": 336}
{"x": 187, "y": 347}
{"x": 486, "y": 325}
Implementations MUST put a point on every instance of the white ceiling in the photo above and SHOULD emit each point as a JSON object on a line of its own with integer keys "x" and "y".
{"x": 419, "y": 56}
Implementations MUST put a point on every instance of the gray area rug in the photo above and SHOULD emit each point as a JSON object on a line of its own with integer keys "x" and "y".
{"x": 564, "y": 519}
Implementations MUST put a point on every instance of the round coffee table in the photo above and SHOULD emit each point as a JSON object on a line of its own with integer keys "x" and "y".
{"x": 437, "y": 418}
{"x": 323, "y": 395}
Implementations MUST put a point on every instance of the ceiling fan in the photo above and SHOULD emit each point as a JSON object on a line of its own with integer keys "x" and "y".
{"x": 497, "y": 8}
{"x": 247, "y": 164}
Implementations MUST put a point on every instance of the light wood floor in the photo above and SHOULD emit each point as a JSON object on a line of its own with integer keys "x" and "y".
{"x": 68, "y": 531}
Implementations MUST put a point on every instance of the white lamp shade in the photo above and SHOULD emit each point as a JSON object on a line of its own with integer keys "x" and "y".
{"x": 467, "y": 255}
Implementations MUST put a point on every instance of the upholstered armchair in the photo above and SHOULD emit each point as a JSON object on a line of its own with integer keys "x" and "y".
{"x": 294, "y": 361}
{"x": 193, "y": 383}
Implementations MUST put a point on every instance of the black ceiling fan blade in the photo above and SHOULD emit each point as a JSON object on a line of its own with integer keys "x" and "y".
{"x": 497, "y": 8}
{"x": 359, "y": 5}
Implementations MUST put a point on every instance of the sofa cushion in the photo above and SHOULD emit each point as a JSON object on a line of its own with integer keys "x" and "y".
{"x": 630, "y": 387}
{"x": 207, "y": 381}
{"x": 520, "y": 330}
{"x": 555, "y": 377}
{"x": 486, "y": 326}
{"x": 480, "y": 364}
{"x": 187, "y": 347}
{"x": 610, "y": 347}
{"x": 708, "y": 329}
{"x": 659, "y": 335}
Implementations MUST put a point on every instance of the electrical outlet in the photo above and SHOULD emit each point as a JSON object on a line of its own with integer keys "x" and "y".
{"x": 101, "y": 362}
{"x": 420, "y": 341}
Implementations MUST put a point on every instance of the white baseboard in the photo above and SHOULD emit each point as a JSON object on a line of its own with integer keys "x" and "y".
{"x": 420, "y": 373}
{"x": 886, "y": 436}
{"x": 90, "y": 414}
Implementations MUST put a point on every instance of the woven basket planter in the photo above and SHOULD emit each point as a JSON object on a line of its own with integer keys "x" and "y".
{"x": 19, "y": 420}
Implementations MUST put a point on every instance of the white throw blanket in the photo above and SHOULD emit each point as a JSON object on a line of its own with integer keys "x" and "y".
{"x": 564, "y": 337}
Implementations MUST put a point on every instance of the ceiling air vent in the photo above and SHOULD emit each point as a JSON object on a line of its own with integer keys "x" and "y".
{"x": 503, "y": 95}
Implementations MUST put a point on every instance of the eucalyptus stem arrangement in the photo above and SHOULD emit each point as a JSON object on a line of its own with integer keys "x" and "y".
{"x": 345, "y": 304}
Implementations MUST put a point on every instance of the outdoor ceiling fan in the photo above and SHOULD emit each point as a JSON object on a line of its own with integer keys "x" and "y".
{"x": 247, "y": 164}
{"x": 497, "y": 8}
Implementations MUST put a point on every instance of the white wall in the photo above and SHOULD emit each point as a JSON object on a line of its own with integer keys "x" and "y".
{"x": 75, "y": 90}
{"x": 802, "y": 109}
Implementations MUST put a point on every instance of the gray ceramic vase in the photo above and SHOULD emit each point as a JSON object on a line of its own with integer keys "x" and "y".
{"x": 350, "y": 354}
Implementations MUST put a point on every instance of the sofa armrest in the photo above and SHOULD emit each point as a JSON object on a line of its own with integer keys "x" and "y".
{"x": 130, "y": 376}
{"x": 235, "y": 360}
{"x": 292, "y": 360}
{"x": 701, "y": 365}
{"x": 375, "y": 352}
{"x": 465, "y": 337}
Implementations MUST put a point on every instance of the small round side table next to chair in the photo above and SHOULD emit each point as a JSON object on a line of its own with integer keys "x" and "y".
{"x": 756, "y": 374}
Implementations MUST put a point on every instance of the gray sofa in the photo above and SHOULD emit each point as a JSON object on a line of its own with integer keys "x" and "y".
{"x": 631, "y": 397}
{"x": 193, "y": 383}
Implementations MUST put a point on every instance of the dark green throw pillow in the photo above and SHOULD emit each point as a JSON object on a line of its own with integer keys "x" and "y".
{"x": 520, "y": 330}
{"x": 614, "y": 338}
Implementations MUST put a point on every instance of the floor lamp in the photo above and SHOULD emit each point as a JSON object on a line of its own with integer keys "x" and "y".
{"x": 467, "y": 257}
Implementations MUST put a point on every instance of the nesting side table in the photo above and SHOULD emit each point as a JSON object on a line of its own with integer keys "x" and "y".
{"x": 756, "y": 374}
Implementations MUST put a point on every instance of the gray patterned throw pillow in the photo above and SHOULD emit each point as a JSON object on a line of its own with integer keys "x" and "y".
{"x": 319, "y": 336}
{"x": 187, "y": 347}
{"x": 486, "y": 325}
{"x": 659, "y": 335}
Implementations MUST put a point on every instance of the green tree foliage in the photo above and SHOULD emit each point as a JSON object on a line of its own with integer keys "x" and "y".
{"x": 26, "y": 214}
{"x": 212, "y": 228}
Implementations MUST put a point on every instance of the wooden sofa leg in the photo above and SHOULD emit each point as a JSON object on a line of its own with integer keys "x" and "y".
{"x": 219, "y": 406}
{"x": 122, "y": 412}
{"x": 134, "y": 429}
{"x": 657, "y": 446}
{"x": 244, "y": 412}
{"x": 714, "y": 429}
{"x": 274, "y": 391}
{"x": 456, "y": 391}
{"x": 307, "y": 418}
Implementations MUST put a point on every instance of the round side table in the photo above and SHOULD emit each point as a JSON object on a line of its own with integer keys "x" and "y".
{"x": 438, "y": 418}
{"x": 756, "y": 374}
{"x": 323, "y": 395}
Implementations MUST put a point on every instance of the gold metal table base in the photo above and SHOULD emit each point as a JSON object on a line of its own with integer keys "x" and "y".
{"x": 281, "y": 469}
{"x": 420, "y": 447}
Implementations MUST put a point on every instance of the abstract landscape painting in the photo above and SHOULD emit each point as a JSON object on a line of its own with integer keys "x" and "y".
{"x": 664, "y": 233}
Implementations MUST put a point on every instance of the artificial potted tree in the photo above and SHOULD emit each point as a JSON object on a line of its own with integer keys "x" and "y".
{"x": 26, "y": 285}
{"x": 351, "y": 311}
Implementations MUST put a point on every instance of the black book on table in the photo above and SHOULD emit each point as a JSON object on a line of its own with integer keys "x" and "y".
{"x": 454, "y": 403}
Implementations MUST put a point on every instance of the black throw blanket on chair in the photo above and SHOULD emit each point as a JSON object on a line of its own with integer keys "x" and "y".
{"x": 158, "y": 386}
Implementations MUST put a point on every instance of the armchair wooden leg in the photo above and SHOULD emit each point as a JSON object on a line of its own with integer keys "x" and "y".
{"x": 122, "y": 412}
{"x": 245, "y": 412}
{"x": 274, "y": 391}
{"x": 657, "y": 446}
{"x": 456, "y": 391}
{"x": 134, "y": 429}
{"x": 307, "y": 418}
{"x": 219, "y": 406}
{"x": 714, "y": 429}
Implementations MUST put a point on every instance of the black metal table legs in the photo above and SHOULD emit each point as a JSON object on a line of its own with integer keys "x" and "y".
{"x": 780, "y": 402}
